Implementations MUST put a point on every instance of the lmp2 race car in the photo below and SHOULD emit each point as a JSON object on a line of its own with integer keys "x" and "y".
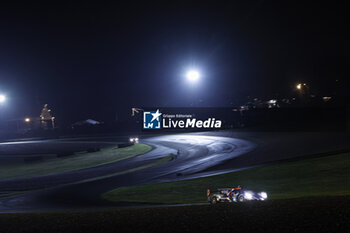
{"x": 234, "y": 195}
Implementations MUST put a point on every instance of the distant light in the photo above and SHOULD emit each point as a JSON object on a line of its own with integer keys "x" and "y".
{"x": 192, "y": 75}
{"x": 2, "y": 98}
{"x": 326, "y": 98}
{"x": 299, "y": 85}
{"x": 27, "y": 119}
{"x": 134, "y": 140}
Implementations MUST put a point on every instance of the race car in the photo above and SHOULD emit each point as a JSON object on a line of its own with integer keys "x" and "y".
{"x": 134, "y": 140}
{"x": 236, "y": 194}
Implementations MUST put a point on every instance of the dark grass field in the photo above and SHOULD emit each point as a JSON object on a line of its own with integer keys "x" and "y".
{"x": 322, "y": 214}
{"x": 73, "y": 162}
{"x": 320, "y": 176}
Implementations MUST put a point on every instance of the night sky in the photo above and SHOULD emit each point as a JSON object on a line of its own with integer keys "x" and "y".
{"x": 91, "y": 61}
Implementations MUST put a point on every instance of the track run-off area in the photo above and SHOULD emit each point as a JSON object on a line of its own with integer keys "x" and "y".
{"x": 173, "y": 157}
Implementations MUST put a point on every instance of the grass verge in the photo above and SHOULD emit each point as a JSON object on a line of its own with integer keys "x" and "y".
{"x": 324, "y": 176}
{"x": 74, "y": 162}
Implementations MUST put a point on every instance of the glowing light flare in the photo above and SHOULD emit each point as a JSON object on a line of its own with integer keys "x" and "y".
{"x": 248, "y": 195}
{"x": 192, "y": 75}
{"x": 301, "y": 86}
{"x": 134, "y": 140}
{"x": 2, "y": 98}
{"x": 263, "y": 195}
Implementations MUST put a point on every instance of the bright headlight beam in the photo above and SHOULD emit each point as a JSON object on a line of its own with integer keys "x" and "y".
{"x": 263, "y": 195}
{"x": 248, "y": 195}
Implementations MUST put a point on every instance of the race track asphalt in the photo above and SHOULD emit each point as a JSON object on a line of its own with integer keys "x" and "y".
{"x": 195, "y": 155}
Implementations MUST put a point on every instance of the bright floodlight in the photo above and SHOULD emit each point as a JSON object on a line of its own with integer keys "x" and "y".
{"x": 2, "y": 98}
{"x": 192, "y": 75}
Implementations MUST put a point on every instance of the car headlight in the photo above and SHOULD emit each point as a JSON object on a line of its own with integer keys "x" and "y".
{"x": 248, "y": 195}
{"x": 263, "y": 195}
{"x": 131, "y": 139}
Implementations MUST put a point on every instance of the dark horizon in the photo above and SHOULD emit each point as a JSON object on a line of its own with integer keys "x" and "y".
{"x": 88, "y": 60}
